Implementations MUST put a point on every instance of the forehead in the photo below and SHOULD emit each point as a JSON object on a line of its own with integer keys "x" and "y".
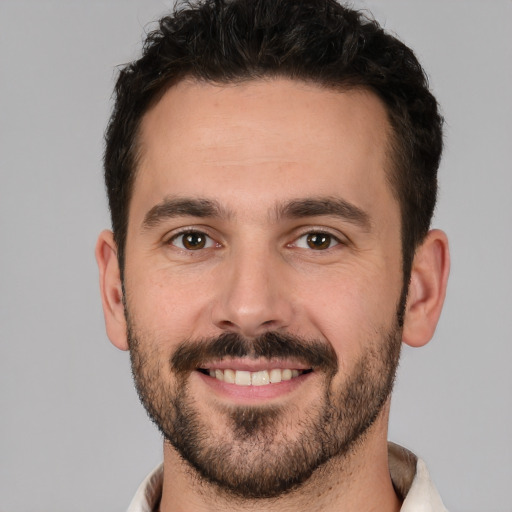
{"x": 263, "y": 139}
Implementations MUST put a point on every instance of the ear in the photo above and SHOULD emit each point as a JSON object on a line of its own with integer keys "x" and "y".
{"x": 111, "y": 289}
{"x": 427, "y": 289}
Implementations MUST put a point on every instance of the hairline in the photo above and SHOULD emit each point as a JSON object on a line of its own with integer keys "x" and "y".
{"x": 392, "y": 168}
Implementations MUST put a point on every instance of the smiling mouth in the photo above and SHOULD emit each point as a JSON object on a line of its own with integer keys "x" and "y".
{"x": 258, "y": 378}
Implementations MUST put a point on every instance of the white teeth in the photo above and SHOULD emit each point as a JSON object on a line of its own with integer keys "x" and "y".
{"x": 242, "y": 378}
{"x": 229, "y": 376}
{"x": 275, "y": 375}
{"x": 286, "y": 374}
{"x": 260, "y": 378}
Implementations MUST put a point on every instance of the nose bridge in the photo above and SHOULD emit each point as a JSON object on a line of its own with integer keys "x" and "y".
{"x": 253, "y": 296}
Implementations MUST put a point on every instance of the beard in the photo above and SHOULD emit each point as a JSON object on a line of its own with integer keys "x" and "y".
{"x": 264, "y": 451}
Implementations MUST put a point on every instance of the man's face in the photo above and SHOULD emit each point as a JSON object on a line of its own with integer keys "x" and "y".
{"x": 263, "y": 276}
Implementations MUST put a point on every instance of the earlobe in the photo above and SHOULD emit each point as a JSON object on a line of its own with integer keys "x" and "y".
{"x": 427, "y": 289}
{"x": 111, "y": 289}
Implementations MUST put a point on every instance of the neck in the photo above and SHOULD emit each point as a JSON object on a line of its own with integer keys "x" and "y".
{"x": 358, "y": 482}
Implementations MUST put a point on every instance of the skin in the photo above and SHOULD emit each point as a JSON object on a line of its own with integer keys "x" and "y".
{"x": 253, "y": 148}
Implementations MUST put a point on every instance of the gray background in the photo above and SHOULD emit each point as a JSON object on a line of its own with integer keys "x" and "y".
{"x": 72, "y": 434}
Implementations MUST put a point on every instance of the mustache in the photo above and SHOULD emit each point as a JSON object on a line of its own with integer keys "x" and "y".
{"x": 190, "y": 355}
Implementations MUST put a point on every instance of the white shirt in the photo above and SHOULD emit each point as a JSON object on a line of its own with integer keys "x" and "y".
{"x": 409, "y": 475}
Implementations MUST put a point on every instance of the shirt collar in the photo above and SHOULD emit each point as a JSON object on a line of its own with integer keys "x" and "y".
{"x": 149, "y": 493}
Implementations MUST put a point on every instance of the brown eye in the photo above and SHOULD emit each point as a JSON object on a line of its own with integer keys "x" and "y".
{"x": 318, "y": 241}
{"x": 192, "y": 241}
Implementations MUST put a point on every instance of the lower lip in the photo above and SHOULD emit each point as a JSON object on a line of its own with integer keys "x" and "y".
{"x": 244, "y": 394}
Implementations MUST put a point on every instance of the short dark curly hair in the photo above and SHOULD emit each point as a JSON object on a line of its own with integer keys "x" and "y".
{"x": 319, "y": 41}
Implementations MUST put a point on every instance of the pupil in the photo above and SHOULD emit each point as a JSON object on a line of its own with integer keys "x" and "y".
{"x": 319, "y": 241}
{"x": 194, "y": 241}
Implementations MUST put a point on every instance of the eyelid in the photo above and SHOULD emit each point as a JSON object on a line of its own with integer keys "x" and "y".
{"x": 175, "y": 234}
{"x": 340, "y": 238}
{"x": 333, "y": 242}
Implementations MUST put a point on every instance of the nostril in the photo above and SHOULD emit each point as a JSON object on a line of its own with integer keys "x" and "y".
{"x": 226, "y": 324}
{"x": 251, "y": 314}
{"x": 248, "y": 329}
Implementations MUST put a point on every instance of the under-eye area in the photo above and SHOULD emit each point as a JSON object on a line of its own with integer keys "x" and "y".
{"x": 258, "y": 378}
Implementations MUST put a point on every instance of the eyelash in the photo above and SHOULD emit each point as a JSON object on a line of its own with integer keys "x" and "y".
{"x": 208, "y": 242}
{"x": 333, "y": 240}
{"x": 192, "y": 232}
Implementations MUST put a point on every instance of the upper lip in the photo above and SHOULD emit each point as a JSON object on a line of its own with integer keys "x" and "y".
{"x": 254, "y": 365}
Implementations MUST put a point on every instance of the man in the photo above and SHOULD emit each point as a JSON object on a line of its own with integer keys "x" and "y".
{"x": 271, "y": 172}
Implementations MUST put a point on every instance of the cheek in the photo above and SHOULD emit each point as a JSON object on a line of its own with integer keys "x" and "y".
{"x": 351, "y": 312}
{"x": 167, "y": 305}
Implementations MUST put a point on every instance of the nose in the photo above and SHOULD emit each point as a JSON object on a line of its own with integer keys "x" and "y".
{"x": 253, "y": 297}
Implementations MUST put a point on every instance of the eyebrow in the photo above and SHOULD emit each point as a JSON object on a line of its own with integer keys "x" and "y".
{"x": 330, "y": 206}
{"x": 293, "y": 209}
{"x": 182, "y": 207}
